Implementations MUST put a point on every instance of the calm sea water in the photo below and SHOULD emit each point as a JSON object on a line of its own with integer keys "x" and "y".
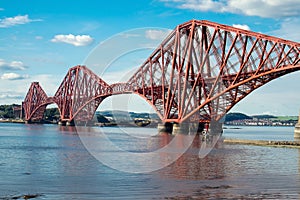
{"x": 52, "y": 162}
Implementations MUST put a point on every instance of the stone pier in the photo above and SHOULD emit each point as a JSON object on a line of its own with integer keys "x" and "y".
{"x": 297, "y": 129}
{"x": 165, "y": 128}
{"x": 66, "y": 123}
{"x": 61, "y": 123}
{"x": 186, "y": 128}
{"x": 213, "y": 128}
{"x": 70, "y": 123}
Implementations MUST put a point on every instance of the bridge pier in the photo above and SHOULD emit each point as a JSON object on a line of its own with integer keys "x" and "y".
{"x": 186, "y": 128}
{"x": 213, "y": 128}
{"x": 165, "y": 127}
{"x": 297, "y": 130}
{"x": 66, "y": 123}
{"x": 70, "y": 123}
{"x": 61, "y": 123}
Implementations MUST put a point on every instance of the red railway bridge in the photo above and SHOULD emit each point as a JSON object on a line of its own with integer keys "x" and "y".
{"x": 197, "y": 74}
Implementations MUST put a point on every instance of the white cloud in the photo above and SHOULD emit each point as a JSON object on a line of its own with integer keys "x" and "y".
{"x": 289, "y": 29}
{"x": 266, "y": 8}
{"x": 76, "y": 40}
{"x": 242, "y": 26}
{"x": 157, "y": 34}
{"x": 17, "y": 20}
{"x": 262, "y": 8}
{"x": 203, "y": 5}
{"x": 13, "y": 76}
{"x": 13, "y": 65}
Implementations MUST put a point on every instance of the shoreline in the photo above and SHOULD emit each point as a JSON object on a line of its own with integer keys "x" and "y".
{"x": 12, "y": 121}
{"x": 282, "y": 144}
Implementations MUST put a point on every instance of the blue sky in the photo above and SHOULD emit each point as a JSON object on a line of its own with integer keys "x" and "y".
{"x": 41, "y": 40}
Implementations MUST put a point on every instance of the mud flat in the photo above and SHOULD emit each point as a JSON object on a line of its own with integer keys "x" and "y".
{"x": 286, "y": 144}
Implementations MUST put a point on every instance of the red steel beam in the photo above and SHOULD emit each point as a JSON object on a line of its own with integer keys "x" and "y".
{"x": 199, "y": 72}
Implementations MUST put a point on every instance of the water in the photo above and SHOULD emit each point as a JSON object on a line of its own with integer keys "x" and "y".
{"x": 260, "y": 132}
{"x": 53, "y": 163}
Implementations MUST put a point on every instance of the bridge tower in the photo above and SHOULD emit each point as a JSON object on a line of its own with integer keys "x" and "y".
{"x": 35, "y": 103}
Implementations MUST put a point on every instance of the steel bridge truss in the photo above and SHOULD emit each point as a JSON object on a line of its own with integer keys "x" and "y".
{"x": 198, "y": 73}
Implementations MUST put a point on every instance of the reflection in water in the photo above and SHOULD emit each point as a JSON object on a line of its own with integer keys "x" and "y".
{"x": 191, "y": 166}
{"x": 52, "y": 161}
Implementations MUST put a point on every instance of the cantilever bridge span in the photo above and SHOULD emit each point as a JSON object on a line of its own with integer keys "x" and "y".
{"x": 198, "y": 73}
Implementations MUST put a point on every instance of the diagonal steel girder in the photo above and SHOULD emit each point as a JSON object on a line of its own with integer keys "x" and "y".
{"x": 199, "y": 72}
{"x": 202, "y": 69}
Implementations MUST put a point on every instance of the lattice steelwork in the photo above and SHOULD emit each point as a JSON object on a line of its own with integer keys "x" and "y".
{"x": 199, "y": 72}
{"x": 35, "y": 102}
{"x": 80, "y": 94}
{"x": 204, "y": 69}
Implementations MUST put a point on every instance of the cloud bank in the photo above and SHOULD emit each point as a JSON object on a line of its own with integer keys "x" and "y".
{"x": 13, "y": 76}
{"x": 261, "y": 8}
{"x": 17, "y": 20}
{"x": 13, "y": 65}
{"x": 76, "y": 40}
{"x": 242, "y": 26}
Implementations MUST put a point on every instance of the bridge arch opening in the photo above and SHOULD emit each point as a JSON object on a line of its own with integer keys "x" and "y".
{"x": 277, "y": 97}
{"x": 127, "y": 110}
{"x": 45, "y": 113}
{"x": 52, "y": 114}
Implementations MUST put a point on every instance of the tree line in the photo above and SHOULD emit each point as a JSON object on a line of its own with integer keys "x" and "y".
{"x": 7, "y": 111}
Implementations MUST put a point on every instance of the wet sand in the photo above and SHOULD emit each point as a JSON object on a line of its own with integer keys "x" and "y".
{"x": 285, "y": 144}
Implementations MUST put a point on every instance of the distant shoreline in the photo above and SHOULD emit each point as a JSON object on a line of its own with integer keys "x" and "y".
{"x": 12, "y": 121}
{"x": 229, "y": 141}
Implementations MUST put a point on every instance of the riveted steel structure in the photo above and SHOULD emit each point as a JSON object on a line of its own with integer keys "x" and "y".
{"x": 80, "y": 92}
{"x": 205, "y": 68}
{"x": 35, "y": 102}
{"x": 199, "y": 72}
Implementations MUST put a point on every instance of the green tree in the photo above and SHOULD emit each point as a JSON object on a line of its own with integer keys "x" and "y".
{"x": 6, "y": 111}
{"x": 51, "y": 114}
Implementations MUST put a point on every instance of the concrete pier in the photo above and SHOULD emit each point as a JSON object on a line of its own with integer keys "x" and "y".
{"x": 62, "y": 123}
{"x": 70, "y": 123}
{"x": 179, "y": 129}
{"x": 213, "y": 128}
{"x": 186, "y": 128}
{"x": 165, "y": 128}
{"x": 297, "y": 129}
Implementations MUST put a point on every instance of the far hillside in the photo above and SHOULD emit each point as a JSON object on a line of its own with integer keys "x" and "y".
{"x": 264, "y": 116}
{"x": 260, "y": 120}
{"x": 236, "y": 116}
